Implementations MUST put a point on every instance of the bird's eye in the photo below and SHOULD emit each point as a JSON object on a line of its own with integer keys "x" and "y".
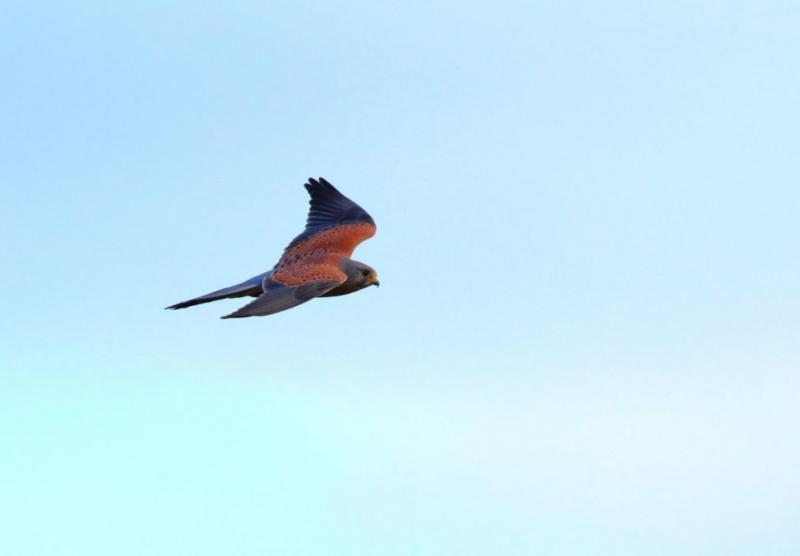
{"x": 365, "y": 272}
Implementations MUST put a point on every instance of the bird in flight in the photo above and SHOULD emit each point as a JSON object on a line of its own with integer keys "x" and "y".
{"x": 316, "y": 263}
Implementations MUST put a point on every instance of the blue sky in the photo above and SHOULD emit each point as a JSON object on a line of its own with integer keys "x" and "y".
{"x": 586, "y": 336}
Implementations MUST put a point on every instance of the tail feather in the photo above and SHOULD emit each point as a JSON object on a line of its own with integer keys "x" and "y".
{"x": 251, "y": 287}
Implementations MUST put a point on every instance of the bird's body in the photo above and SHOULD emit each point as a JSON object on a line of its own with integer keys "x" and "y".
{"x": 316, "y": 263}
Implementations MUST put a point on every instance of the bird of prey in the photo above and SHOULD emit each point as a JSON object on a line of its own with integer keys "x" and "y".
{"x": 316, "y": 263}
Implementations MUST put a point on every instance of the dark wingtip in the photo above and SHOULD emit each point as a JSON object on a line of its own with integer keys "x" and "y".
{"x": 234, "y": 315}
{"x": 328, "y": 185}
{"x": 319, "y": 184}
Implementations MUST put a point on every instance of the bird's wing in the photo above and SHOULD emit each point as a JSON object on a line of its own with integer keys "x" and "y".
{"x": 335, "y": 224}
{"x": 251, "y": 287}
{"x": 280, "y": 297}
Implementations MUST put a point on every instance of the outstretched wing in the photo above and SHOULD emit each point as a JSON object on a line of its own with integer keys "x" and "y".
{"x": 251, "y": 287}
{"x": 335, "y": 224}
{"x": 280, "y": 297}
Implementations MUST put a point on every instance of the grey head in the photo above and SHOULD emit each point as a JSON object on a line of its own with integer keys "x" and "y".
{"x": 359, "y": 276}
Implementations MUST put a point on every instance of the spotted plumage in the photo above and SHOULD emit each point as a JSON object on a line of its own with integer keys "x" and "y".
{"x": 316, "y": 263}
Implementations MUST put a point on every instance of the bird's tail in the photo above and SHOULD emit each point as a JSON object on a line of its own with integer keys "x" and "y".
{"x": 251, "y": 287}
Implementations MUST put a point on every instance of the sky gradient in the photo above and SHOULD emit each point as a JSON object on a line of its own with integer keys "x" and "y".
{"x": 587, "y": 335}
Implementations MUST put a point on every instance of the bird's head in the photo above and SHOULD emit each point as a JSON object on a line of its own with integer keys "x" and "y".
{"x": 360, "y": 275}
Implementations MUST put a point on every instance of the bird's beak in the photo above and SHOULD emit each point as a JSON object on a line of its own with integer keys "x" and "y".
{"x": 374, "y": 280}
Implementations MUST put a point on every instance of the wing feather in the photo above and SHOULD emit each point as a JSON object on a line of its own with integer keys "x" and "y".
{"x": 281, "y": 298}
{"x": 335, "y": 223}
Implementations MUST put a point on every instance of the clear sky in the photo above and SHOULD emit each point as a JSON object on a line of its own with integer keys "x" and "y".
{"x": 587, "y": 335}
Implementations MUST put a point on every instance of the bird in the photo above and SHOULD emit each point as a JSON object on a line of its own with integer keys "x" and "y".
{"x": 316, "y": 263}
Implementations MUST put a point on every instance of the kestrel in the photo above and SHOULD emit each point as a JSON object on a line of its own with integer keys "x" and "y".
{"x": 316, "y": 263}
